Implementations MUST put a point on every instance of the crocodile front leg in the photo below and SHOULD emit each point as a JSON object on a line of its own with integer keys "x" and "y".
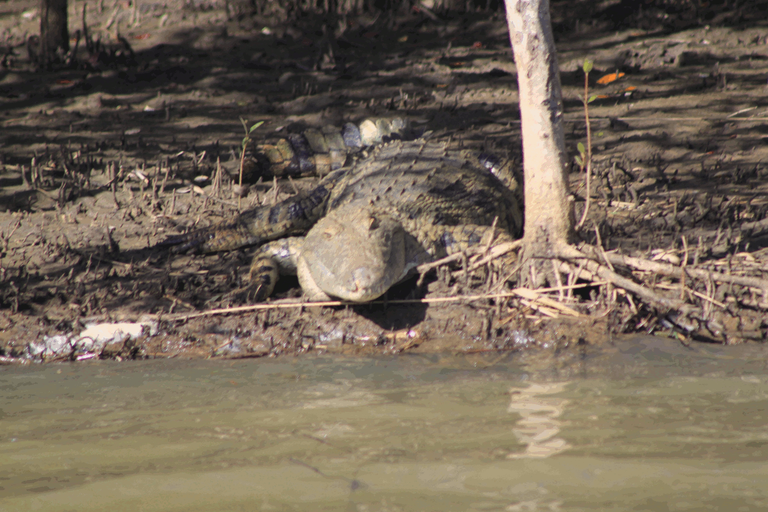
{"x": 271, "y": 260}
{"x": 281, "y": 257}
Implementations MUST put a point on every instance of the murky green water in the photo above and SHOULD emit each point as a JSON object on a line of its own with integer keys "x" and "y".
{"x": 648, "y": 425}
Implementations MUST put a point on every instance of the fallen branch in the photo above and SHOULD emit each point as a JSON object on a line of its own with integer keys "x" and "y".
{"x": 535, "y": 296}
{"x": 670, "y": 270}
{"x": 570, "y": 253}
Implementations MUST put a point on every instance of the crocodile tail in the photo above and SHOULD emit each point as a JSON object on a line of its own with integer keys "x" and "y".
{"x": 319, "y": 151}
{"x": 221, "y": 237}
{"x": 252, "y": 227}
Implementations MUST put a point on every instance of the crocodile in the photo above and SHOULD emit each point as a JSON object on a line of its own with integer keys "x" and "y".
{"x": 368, "y": 226}
{"x": 318, "y": 152}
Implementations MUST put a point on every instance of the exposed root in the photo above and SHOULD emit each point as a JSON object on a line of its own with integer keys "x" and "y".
{"x": 570, "y": 253}
{"x": 693, "y": 311}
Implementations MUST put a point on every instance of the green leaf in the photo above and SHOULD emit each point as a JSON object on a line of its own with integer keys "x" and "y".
{"x": 587, "y": 66}
{"x": 600, "y": 134}
{"x": 592, "y": 98}
{"x": 579, "y": 161}
{"x": 256, "y": 125}
{"x": 581, "y": 148}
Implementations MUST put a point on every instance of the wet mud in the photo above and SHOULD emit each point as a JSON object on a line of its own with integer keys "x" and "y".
{"x": 109, "y": 155}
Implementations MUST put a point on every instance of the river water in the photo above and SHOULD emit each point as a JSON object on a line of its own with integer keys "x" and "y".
{"x": 647, "y": 424}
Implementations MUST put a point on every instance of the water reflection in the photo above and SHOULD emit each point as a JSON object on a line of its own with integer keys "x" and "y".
{"x": 539, "y": 426}
{"x": 646, "y": 425}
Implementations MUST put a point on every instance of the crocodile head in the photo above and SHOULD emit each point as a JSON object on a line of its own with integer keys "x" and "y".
{"x": 354, "y": 254}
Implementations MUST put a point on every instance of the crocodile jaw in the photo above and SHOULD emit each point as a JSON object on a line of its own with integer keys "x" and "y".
{"x": 354, "y": 254}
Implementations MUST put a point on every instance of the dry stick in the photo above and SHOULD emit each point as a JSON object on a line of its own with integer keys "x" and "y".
{"x": 200, "y": 192}
{"x": 165, "y": 177}
{"x": 559, "y": 280}
{"x": 589, "y": 151}
{"x": 755, "y": 228}
{"x": 657, "y": 119}
{"x": 113, "y": 181}
{"x": 602, "y": 251}
{"x": 590, "y": 254}
{"x": 570, "y": 253}
{"x": 694, "y": 292}
{"x": 426, "y": 267}
{"x": 520, "y": 292}
{"x": 673, "y": 271}
{"x": 216, "y": 188}
{"x": 534, "y": 295}
{"x": 240, "y": 182}
{"x": 544, "y": 310}
{"x": 684, "y": 265}
{"x": 493, "y": 253}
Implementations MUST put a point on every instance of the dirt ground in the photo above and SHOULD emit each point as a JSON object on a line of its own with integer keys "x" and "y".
{"x": 104, "y": 158}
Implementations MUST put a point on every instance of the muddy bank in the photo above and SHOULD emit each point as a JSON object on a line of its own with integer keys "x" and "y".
{"x": 103, "y": 160}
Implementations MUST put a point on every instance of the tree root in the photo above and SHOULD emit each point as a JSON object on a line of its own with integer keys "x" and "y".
{"x": 591, "y": 262}
{"x": 571, "y": 254}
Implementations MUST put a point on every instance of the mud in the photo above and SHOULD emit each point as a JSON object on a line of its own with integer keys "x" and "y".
{"x": 108, "y": 156}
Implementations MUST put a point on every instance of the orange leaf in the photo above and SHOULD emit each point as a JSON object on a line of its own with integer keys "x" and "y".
{"x": 63, "y": 81}
{"x": 602, "y": 96}
{"x": 630, "y": 88}
{"x": 612, "y": 77}
{"x": 142, "y": 36}
{"x": 477, "y": 45}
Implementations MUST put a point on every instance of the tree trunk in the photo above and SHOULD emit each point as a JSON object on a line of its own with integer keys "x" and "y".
{"x": 54, "y": 33}
{"x": 548, "y": 211}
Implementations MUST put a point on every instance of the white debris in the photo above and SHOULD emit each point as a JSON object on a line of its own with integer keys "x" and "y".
{"x": 96, "y": 336}
{"x": 93, "y": 338}
{"x": 51, "y": 346}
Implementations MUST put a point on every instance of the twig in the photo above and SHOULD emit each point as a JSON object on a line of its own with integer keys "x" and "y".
{"x": 570, "y": 253}
{"x": 497, "y": 251}
{"x": 670, "y": 270}
{"x": 685, "y": 264}
{"x": 694, "y": 292}
{"x": 588, "y": 156}
{"x": 199, "y": 191}
{"x": 734, "y": 114}
{"x": 544, "y": 310}
{"x": 328, "y": 303}
{"x": 534, "y": 295}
